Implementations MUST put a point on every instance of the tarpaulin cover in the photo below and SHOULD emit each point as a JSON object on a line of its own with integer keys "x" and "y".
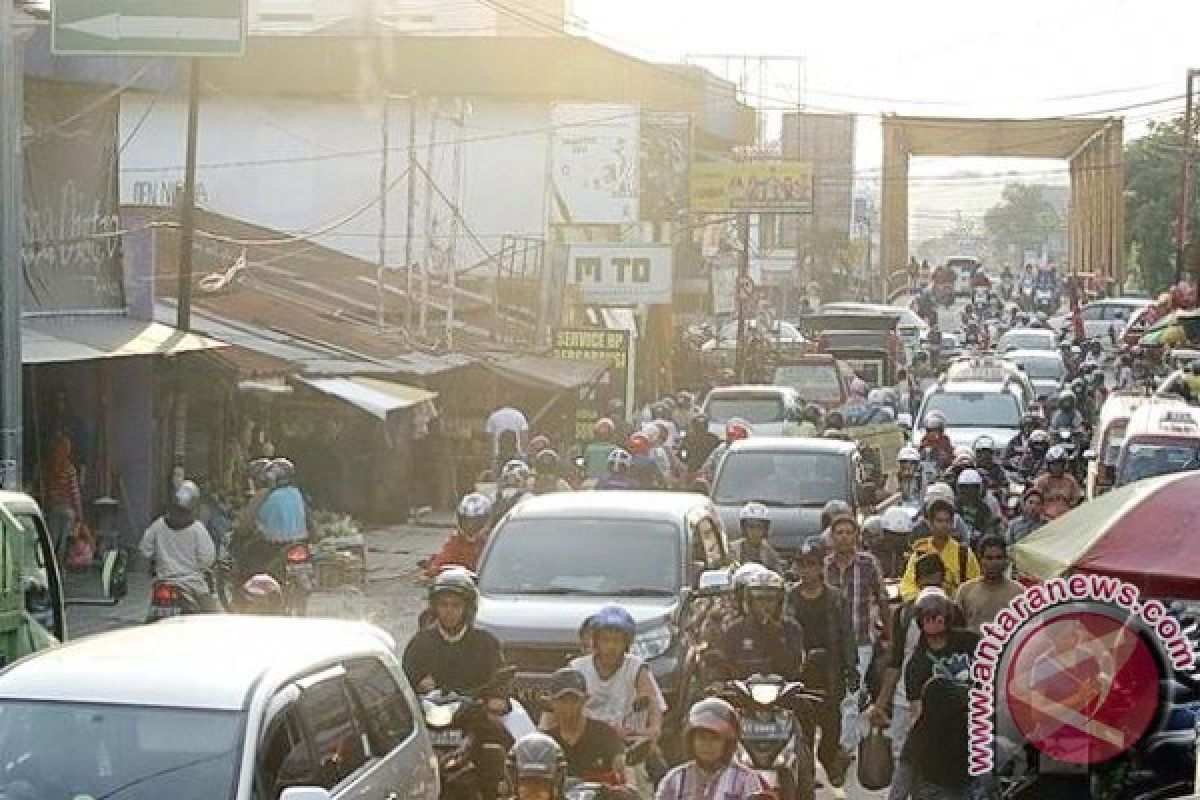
{"x": 1145, "y": 533}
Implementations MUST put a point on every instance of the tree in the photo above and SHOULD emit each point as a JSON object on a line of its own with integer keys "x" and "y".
{"x": 1024, "y": 219}
{"x": 1152, "y": 172}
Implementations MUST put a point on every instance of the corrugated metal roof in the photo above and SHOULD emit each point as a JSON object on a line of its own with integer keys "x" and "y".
{"x": 54, "y": 339}
{"x": 377, "y": 398}
{"x": 546, "y": 371}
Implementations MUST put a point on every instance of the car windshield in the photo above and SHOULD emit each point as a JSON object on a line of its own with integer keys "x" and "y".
{"x": 1042, "y": 369}
{"x": 1148, "y": 460}
{"x": 976, "y": 409}
{"x": 587, "y": 556}
{"x": 1027, "y": 341}
{"x": 119, "y": 752}
{"x": 754, "y": 408}
{"x": 814, "y": 382}
{"x": 781, "y": 479}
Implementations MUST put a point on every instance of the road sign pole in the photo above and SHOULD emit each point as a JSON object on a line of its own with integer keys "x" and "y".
{"x": 11, "y": 280}
{"x": 187, "y": 206}
{"x": 742, "y": 302}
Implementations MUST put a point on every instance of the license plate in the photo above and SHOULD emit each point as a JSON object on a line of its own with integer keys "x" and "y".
{"x": 777, "y": 729}
{"x": 449, "y": 738}
{"x": 164, "y": 612}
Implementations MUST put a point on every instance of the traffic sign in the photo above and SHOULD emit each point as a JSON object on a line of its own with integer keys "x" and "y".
{"x": 149, "y": 27}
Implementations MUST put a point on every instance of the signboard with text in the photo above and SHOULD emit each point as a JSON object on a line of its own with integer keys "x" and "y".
{"x": 784, "y": 187}
{"x": 594, "y": 164}
{"x": 148, "y": 27}
{"x": 610, "y": 347}
{"x": 620, "y": 274}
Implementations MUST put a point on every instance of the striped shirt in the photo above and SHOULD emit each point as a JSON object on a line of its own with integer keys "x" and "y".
{"x": 861, "y": 582}
{"x": 690, "y": 782}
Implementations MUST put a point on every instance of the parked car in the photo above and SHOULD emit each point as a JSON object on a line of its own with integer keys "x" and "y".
{"x": 1045, "y": 370}
{"x": 644, "y": 550}
{"x": 764, "y": 407}
{"x": 793, "y": 478}
{"x": 205, "y": 707}
{"x": 1027, "y": 339}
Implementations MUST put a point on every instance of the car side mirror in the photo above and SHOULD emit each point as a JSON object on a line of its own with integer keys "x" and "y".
{"x": 305, "y": 793}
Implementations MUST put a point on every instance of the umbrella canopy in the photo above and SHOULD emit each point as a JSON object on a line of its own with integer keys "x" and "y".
{"x": 1145, "y": 533}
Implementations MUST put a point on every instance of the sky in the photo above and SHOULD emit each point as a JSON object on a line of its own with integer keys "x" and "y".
{"x": 1019, "y": 58}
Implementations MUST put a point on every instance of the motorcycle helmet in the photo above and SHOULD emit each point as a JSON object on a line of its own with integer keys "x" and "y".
{"x": 474, "y": 511}
{"x": 984, "y": 444}
{"x": 935, "y": 421}
{"x": 736, "y": 429}
{"x": 764, "y": 585}
{"x": 740, "y": 577}
{"x": 931, "y": 601}
{"x": 1056, "y": 455}
{"x": 1029, "y": 423}
{"x": 908, "y": 455}
{"x": 896, "y": 521}
{"x": 281, "y": 472}
{"x": 603, "y": 429}
{"x": 639, "y": 444}
{"x": 811, "y": 413}
{"x": 715, "y": 715}
{"x": 1039, "y": 439}
{"x": 939, "y": 491}
{"x": 514, "y": 474}
{"x": 754, "y": 514}
{"x": 536, "y": 756}
{"x": 186, "y": 496}
{"x": 619, "y": 461}
{"x": 834, "y": 509}
{"x": 459, "y": 582}
{"x": 615, "y": 618}
{"x": 546, "y": 464}
{"x": 968, "y": 478}
{"x": 963, "y": 458}
{"x": 872, "y": 528}
{"x": 258, "y": 473}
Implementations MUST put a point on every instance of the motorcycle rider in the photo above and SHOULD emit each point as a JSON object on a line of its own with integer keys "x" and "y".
{"x": 452, "y": 654}
{"x": 755, "y": 522}
{"x": 908, "y": 474}
{"x": 736, "y": 429}
{"x": 700, "y": 443}
{"x": 595, "y": 454}
{"x": 936, "y": 440}
{"x": 711, "y": 736}
{"x": 512, "y": 488}
{"x": 547, "y": 473}
{"x": 463, "y": 546}
{"x": 1018, "y": 446}
{"x": 618, "y": 476}
{"x": 1066, "y": 416}
{"x": 1059, "y": 488}
{"x": 593, "y": 750}
{"x": 995, "y": 479}
{"x": 280, "y": 520}
{"x": 1035, "y": 459}
{"x": 830, "y": 654}
{"x": 977, "y": 507}
{"x": 762, "y": 640}
{"x": 617, "y": 680}
{"x": 181, "y": 549}
{"x": 644, "y": 466}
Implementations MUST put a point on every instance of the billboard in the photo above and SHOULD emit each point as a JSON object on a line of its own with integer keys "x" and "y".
{"x": 767, "y": 186}
{"x": 620, "y": 274}
{"x": 666, "y": 162}
{"x": 590, "y": 344}
{"x": 594, "y": 164}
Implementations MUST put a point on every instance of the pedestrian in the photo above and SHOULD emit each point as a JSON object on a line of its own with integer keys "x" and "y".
{"x": 1031, "y": 517}
{"x": 61, "y": 494}
{"x": 957, "y": 558}
{"x": 935, "y": 755}
{"x": 595, "y": 454}
{"x": 982, "y": 598}
{"x": 857, "y": 573}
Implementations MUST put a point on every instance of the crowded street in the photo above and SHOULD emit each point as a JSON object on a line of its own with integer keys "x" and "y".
{"x": 599, "y": 400}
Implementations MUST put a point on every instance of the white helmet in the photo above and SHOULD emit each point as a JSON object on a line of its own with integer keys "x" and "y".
{"x": 985, "y": 442}
{"x": 935, "y": 420}
{"x": 970, "y": 477}
{"x": 908, "y": 453}
{"x": 754, "y": 512}
{"x": 1056, "y": 453}
{"x": 474, "y": 510}
{"x": 939, "y": 491}
{"x": 896, "y": 520}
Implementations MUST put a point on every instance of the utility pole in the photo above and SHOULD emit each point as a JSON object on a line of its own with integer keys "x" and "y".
{"x": 383, "y": 220}
{"x": 743, "y": 297}
{"x": 11, "y": 281}
{"x": 455, "y": 227}
{"x": 187, "y": 207}
{"x": 429, "y": 220}
{"x": 411, "y": 211}
{"x": 1185, "y": 190}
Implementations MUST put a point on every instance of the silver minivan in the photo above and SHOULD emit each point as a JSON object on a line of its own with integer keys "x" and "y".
{"x": 216, "y": 707}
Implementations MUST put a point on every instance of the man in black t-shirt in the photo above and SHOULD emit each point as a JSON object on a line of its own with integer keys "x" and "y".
{"x": 594, "y": 751}
{"x": 944, "y": 650}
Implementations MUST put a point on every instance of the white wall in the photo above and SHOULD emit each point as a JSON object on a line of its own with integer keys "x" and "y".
{"x": 302, "y": 165}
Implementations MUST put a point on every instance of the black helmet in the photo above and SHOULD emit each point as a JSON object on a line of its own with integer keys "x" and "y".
{"x": 546, "y": 463}
{"x": 536, "y": 755}
{"x": 460, "y": 582}
{"x": 812, "y": 413}
{"x": 1029, "y": 421}
{"x": 1066, "y": 400}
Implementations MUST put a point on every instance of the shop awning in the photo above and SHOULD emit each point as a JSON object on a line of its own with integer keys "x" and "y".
{"x": 379, "y": 398}
{"x": 547, "y": 372}
{"x": 54, "y": 339}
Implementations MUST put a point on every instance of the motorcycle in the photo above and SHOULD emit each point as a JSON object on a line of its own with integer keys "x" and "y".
{"x": 773, "y": 741}
{"x": 169, "y": 599}
{"x": 1044, "y": 301}
{"x": 469, "y": 746}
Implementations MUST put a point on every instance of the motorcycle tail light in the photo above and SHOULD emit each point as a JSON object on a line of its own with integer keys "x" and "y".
{"x": 165, "y": 595}
{"x": 297, "y": 554}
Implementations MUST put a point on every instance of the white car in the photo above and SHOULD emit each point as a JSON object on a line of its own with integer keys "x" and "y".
{"x": 1104, "y": 315}
{"x": 216, "y": 707}
{"x": 974, "y": 409}
{"x": 764, "y": 407}
{"x": 1027, "y": 339}
{"x": 781, "y": 332}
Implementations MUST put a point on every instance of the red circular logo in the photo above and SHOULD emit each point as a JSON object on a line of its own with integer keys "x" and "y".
{"x": 1083, "y": 687}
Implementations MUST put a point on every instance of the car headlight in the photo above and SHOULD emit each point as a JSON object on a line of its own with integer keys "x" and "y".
{"x": 441, "y": 716}
{"x": 652, "y": 643}
{"x": 764, "y": 693}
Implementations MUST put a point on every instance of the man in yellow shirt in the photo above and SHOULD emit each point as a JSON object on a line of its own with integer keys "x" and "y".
{"x": 956, "y": 557}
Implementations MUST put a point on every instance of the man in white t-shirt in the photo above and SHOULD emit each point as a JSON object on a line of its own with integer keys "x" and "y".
{"x": 503, "y": 419}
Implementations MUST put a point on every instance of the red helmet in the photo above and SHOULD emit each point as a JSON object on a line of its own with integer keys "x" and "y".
{"x": 736, "y": 429}
{"x": 639, "y": 444}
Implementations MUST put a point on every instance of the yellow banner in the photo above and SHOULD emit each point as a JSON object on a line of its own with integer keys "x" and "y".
{"x": 779, "y": 186}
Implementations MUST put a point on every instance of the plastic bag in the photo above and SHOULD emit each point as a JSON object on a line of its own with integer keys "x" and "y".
{"x": 875, "y": 762}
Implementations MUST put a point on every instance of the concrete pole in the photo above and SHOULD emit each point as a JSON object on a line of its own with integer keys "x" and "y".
{"x": 383, "y": 220}
{"x": 11, "y": 280}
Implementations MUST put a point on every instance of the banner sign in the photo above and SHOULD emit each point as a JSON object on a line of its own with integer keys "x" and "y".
{"x": 620, "y": 274}
{"x": 594, "y": 163}
{"x": 666, "y": 164}
{"x": 71, "y": 247}
{"x": 784, "y": 187}
{"x": 610, "y": 347}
